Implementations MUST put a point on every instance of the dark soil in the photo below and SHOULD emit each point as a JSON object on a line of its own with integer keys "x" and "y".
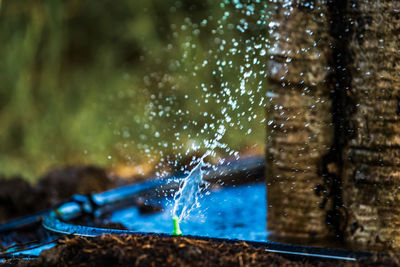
{"x": 153, "y": 250}
{"x": 18, "y": 197}
{"x": 135, "y": 250}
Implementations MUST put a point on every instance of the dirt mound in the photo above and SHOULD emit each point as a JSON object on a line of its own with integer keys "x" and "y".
{"x": 155, "y": 250}
{"x": 152, "y": 250}
{"x": 18, "y": 197}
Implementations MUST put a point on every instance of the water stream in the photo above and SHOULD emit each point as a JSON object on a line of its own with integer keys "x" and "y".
{"x": 190, "y": 190}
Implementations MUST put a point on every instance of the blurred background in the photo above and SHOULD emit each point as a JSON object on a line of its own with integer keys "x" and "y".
{"x": 132, "y": 86}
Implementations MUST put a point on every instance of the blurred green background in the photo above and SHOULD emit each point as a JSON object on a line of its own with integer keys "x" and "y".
{"x": 120, "y": 82}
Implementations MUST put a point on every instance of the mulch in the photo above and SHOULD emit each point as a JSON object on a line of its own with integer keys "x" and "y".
{"x": 155, "y": 250}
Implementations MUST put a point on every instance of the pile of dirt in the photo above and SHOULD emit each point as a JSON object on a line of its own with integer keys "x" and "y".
{"x": 18, "y": 197}
{"x": 152, "y": 250}
{"x": 155, "y": 250}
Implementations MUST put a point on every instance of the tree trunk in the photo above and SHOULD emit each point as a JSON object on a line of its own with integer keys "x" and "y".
{"x": 335, "y": 130}
{"x": 371, "y": 191}
{"x": 299, "y": 125}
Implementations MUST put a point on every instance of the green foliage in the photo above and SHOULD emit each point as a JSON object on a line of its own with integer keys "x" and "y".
{"x": 81, "y": 80}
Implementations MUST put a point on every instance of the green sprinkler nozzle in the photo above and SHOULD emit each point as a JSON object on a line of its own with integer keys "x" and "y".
{"x": 177, "y": 229}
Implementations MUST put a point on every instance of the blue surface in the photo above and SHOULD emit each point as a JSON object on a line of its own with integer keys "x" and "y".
{"x": 231, "y": 212}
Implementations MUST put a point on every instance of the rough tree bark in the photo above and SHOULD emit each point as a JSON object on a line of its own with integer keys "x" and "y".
{"x": 299, "y": 125}
{"x": 371, "y": 176}
{"x": 335, "y": 130}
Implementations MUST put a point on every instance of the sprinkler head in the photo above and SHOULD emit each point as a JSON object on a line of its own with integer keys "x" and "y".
{"x": 177, "y": 229}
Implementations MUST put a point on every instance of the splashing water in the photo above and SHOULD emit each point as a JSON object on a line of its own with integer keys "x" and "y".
{"x": 225, "y": 70}
{"x": 192, "y": 187}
